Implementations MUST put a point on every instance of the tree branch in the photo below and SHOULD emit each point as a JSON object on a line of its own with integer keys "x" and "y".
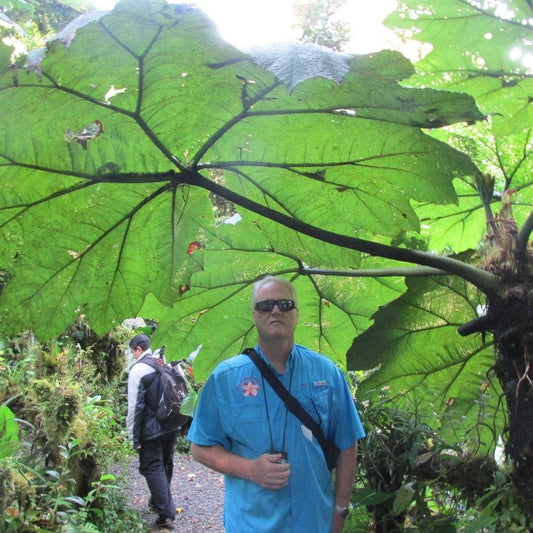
{"x": 486, "y": 282}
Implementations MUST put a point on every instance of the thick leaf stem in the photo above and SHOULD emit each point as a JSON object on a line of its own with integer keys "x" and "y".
{"x": 486, "y": 282}
{"x": 377, "y": 272}
{"x": 522, "y": 238}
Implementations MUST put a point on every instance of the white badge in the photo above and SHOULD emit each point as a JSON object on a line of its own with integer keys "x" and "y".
{"x": 308, "y": 434}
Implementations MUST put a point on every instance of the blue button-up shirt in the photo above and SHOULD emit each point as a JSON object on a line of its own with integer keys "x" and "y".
{"x": 239, "y": 411}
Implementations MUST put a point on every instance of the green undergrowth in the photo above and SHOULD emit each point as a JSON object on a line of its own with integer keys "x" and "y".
{"x": 62, "y": 434}
{"x": 64, "y": 452}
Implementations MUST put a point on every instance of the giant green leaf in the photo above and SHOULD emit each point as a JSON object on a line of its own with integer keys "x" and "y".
{"x": 479, "y": 48}
{"x": 504, "y": 163}
{"x": 93, "y": 221}
{"x": 415, "y": 344}
{"x": 213, "y": 316}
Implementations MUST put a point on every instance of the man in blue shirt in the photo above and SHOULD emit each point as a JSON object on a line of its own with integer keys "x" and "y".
{"x": 276, "y": 475}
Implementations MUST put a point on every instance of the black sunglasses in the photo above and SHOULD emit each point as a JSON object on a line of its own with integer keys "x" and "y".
{"x": 266, "y": 306}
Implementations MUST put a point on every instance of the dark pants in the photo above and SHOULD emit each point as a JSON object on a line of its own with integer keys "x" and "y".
{"x": 156, "y": 464}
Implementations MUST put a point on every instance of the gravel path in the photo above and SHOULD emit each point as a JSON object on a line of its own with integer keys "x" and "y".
{"x": 198, "y": 493}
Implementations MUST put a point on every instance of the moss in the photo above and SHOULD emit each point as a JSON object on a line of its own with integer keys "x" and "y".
{"x": 60, "y": 405}
{"x": 52, "y": 362}
{"x": 16, "y": 492}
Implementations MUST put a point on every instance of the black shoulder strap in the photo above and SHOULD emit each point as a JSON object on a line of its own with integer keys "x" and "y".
{"x": 290, "y": 401}
{"x": 151, "y": 362}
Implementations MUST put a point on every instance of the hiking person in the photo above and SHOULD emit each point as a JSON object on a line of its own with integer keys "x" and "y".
{"x": 276, "y": 475}
{"x": 154, "y": 443}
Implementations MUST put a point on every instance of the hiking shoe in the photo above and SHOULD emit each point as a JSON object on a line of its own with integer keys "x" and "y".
{"x": 164, "y": 523}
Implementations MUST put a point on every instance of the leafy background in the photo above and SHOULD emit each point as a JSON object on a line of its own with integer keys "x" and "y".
{"x": 318, "y": 153}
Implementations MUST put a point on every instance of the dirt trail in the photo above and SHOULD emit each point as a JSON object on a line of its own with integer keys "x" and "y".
{"x": 198, "y": 493}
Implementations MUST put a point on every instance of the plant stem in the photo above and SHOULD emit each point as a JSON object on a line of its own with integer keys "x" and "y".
{"x": 522, "y": 238}
{"x": 486, "y": 282}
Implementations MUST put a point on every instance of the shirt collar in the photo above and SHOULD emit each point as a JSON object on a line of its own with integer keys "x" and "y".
{"x": 265, "y": 358}
{"x": 146, "y": 353}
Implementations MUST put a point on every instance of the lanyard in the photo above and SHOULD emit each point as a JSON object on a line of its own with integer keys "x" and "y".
{"x": 291, "y": 365}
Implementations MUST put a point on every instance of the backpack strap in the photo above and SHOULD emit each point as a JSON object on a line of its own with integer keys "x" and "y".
{"x": 150, "y": 361}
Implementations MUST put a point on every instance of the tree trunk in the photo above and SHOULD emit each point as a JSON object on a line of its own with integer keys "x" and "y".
{"x": 512, "y": 326}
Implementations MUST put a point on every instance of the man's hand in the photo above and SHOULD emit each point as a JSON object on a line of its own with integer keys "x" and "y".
{"x": 268, "y": 472}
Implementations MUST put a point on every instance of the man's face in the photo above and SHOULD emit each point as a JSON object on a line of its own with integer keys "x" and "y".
{"x": 275, "y": 324}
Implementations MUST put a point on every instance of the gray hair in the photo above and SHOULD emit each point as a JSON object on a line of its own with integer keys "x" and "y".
{"x": 140, "y": 340}
{"x": 274, "y": 279}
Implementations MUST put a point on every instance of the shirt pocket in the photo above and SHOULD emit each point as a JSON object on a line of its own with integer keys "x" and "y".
{"x": 247, "y": 427}
{"x": 317, "y": 404}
